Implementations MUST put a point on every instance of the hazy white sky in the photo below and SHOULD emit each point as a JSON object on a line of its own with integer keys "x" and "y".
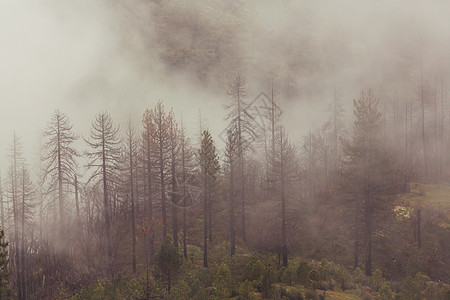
{"x": 82, "y": 57}
{"x": 68, "y": 56}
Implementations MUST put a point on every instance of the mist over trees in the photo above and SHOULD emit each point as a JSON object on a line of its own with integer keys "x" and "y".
{"x": 340, "y": 195}
{"x": 324, "y": 171}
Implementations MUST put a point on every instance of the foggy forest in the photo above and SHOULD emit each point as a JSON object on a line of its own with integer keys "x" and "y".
{"x": 225, "y": 149}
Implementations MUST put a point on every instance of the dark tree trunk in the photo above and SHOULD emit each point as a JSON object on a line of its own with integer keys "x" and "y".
{"x": 175, "y": 224}
{"x": 232, "y": 221}
{"x": 169, "y": 286}
{"x": 2, "y": 205}
{"x": 419, "y": 237}
{"x": 76, "y": 199}
{"x": 241, "y": 161}
{"x": 14, "y": 189}
{"x": 23, "y": 237}
{"x": 205, "y": 222}
{"x": 161, "y": 175}
{"x": 150, "y": 200}
{"x": 174, "y": 199}
{"x": 60, "y": 181}
{"x": 105, "y": 201}
{"x": 424, "y": 144}
{"x": 406, "y": 132}
{"x": 184, "y": 198}
{"x": 244, "y": 230}
{"x": 209, "y": 215}
{"x": 133, "y": 221}
{"x": 283, "y": 206}
{"x": 356, "y": 245}
{"x": 136, "y": 186}
{"x": 441, "y": 153}
{"x": 368, "y": 234}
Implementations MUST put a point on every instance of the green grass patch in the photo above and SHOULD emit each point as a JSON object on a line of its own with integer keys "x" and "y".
{"x": 428, "y": 196}
{"x": 437, "y": 196}
{"x": 347, "y": 295}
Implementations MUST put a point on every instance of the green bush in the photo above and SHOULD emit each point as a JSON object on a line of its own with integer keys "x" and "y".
{"x": 386, "y": 292}
{"x": 198, "y": 291}
{"x": 324, "y": 269}
{"x": 311, "y": 295}
{"x": 182, "y": 290}
{"x": 287, "y": 275}
{"x": 237, "y": 265}
{"x": 223, "y": 281}
{"x": 168, "y": 260}
{"x": 254, "y": 268}
{"x": 376, "y": 280}
{"x": 342, "y": 277}
{"x": 366, "y": 297}
{"x": 303, "y": 273}
{"x": 120, "y": 288}
{"x": 421, "y": 287}
{"x": 291, "y": 294}
{"x": 267, "y": 278}
{"x": 193, "y": 280}
{"x": 321, "y": 276}
{"x": 414, "y": 263}
{"x": 411, "y": 288}
{"x": 359, "y": 278}
{"x": 246, "y": 291}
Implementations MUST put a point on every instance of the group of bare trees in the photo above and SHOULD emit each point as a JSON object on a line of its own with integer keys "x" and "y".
{"x": 279, "y": 164}
{"x": 122, "y": 176}
{"x": 82, "y": 201}
{"x": 109, "y": 207}
{"x": 19, "y": 212}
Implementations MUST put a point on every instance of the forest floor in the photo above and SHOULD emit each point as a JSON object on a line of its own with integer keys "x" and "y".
{"x": 330, "y": 295}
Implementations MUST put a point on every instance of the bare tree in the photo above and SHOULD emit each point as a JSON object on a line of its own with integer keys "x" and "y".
{"x": 13, "y": 191}
{"x": 186, "y": 169}
{"x": 174, "y": 140}
{"x": 103, "y": 162}
{"x": 241, "y": 121}
{"x": 229, "y": 168}
{"x": 2, "y": 204}
{"x": 282, "y": 174}
{"x": 26, "y": 215}
{"x": 131, "y": 149}
{"x": 424, "y": 144}
{"x": 161, "y": 139}
{"x": 148, "y": 150}
{"x": 334, "y": 129}
{"x": 60, "y": 160}
{"x": 77, "y": 204}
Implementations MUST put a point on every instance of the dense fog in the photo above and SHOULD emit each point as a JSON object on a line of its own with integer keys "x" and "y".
{"x": 86, "y": 57}
{"x": 310, "y": 140}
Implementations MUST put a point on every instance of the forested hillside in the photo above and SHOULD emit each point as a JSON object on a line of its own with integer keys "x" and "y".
{"x": 329, "y": 178}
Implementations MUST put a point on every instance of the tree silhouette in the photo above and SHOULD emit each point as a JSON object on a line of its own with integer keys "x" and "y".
{"x": 209, "y": 164}
{"x": 60, "y": 161}
{"x": 104, "y": 163}
{"x": 241, "y": 122}
{"x": 168, "y": 260}
{"x": 368, "y": 174}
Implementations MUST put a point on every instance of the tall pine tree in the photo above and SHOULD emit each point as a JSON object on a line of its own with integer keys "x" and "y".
{"x": 209, "y": 164}
{"x": 368, "y": 172}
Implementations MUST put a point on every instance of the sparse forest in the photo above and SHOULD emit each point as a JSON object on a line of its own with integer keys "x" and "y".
{"x": 264, "y": 218}
{"x": 358, "y": 207}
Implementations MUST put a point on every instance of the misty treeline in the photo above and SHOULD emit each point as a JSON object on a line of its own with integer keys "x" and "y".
{"x": 104, "y": 208}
